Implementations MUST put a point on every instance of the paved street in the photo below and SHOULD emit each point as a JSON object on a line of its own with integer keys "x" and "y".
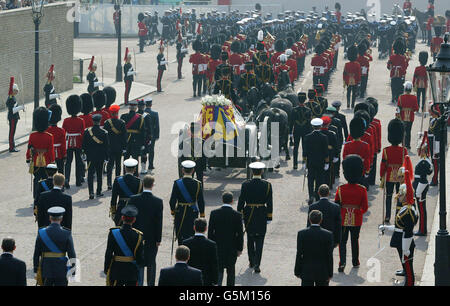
{"x": 175, "y": 106}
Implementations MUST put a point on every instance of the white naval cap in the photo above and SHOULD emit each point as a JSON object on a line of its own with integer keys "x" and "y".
{"x": 56, "y": 211}
{"x": 317, "y": 122}
{"x": 130, "y": 163}
{"x": 188, "y": 164}
{"x": 257, "y": 165}
{"x": 408, "y": 85}
{"x": 51, "y": 166}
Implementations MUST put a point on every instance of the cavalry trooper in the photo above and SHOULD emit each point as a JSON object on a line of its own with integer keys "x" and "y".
{"x": 45, "y": 184}
{"x": 255, "y": 204}
{"x": 124, "y": 251}
{"x": 129, "y": 74}
{"x": 123, "y": 189}
{"x": 313, "y": 104}
{"x": 52, "y": 244}
{"x": 96, "y": 146}
{"x": 92, "y": 77}
{"x": 403, "y": 236}
{"x": 186, "y": 202}
{"x": 134, "y": 123}
{"x": 300, "y": 124}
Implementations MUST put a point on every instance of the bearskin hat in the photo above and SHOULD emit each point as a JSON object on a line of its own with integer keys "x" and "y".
{"x": 423, "y": 57}
{"x": 289, "y": 41}
{"x": 235, "y": 46}
{"x": 141, "y": 16}
{"x": 40, "y": 119}
{"x": 215, "y": 51}
{"x": 197, "y": 45}
{"x": 399, "y": 46}
{"x": 99, "y": 99}
{"x": 396, "y": 131}
{"x": 73, "y": 105}
{"x": 280, "y": 45}
{"x": 362, "y": 48}
{"x": 337, "y": 6}
{"x": 352, "y": 53}
{"x": 361, "y": 106}
{"x": 437, "y": 30}
{"x": 319, "y": 49}
{"x": 357, "y": 127}
{"x": 374, "y": 102}
{"x": 87, "y": 105}
{"x": 364, "y": 115}
{"x": 353, "y": 167}
{"x": 56, "y": 113}
{"x": 110, "y": 93}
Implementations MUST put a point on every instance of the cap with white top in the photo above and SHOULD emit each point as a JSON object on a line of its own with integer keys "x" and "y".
{"x": 188, "y": 164}
{"x": 56, "y": 211}
{"x": 51, "y": 166}
{"x": 317, "y": 122}
{"x": 257, "y": 166}
{"x": 130, "y": 163}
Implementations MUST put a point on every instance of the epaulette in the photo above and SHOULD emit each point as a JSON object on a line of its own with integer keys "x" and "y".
{"x": 137, "y": 231}
{"x": 114, "y": 228}
{"x": 48, "y": 134}
{"x": 361, "y": 186}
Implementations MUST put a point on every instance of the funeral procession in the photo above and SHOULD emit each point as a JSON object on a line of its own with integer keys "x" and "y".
{"x": 247, "y": 144}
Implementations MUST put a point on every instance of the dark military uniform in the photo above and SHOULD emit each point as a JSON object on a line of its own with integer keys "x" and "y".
{"x": 120, "y": 196}
{"x": 255, "y": 204}
{"x": 128, "y": 78}
{"x": 117, "y": 144}
{"x": 300, "y": 127}
{"x": 186, "y": 212}
{"x": 332, "y": 153}
{"x": 92, "y": 79}
{"x": 120, "y": 269}
{"x": 421, "y": 186}
{"x": 225, "y": 87}
{"x": 136, "y": 134}
{"x": 247, "y": 81}
{"x": 316, "y": 108}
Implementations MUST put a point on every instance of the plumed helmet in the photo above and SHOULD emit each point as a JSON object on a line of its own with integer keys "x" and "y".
{"x": 352, "y": 53}
{"x": 197, "y": 45}
{"x": 99, "y": 99}
{"x": 73, "y": 105}
{"x": 56, "y": 113}
{"x": 423, "y": 57}
{"x": 235, "y": 46}
{"x": 357, "y": 127}
{"x": 353, "y": 167}
{"x": 215, "y": 51}
{"x": 396, "y": 131}
{"x": 110, "y": 93}
{"x": 280, "y": 45}
{"x": 40, "y": 119}
{"x": 87, "y": 105}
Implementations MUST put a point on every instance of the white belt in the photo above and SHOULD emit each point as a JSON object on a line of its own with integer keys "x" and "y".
{"x": 321, "y": 69}
{"x": 364, "y": 70}
{"x": 73, "y": 135}
{"x": 57, "y": 145}
{"x": 416, "y": 176}
{"x": 398, "y": 230}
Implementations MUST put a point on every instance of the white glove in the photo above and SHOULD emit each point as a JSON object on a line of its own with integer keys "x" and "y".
{"x": 366, "y": 175}
{"x": 326, "y": 167}
{"x": 143, "y": 147}
{"x": 54, "y": 96}
{"x": 406, "y": 244}
{"x": 405, "y": 253}
{"x": 389, "y": 228}
{"x": 420, "y": 134}
{"x": 17, "y": 109}
{"x": 335, "y": 160}
{"x": 164, "y": 62}
{"x": 97, "y": 84}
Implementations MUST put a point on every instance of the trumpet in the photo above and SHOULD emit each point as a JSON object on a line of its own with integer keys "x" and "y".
{"x": 269, "y": 39}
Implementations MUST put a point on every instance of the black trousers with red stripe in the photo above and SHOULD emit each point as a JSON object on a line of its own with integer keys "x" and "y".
{"x": 12, "y": 132}
{"x": 127, "y": 90}
{"x": 408, "y": 265}
{"x": 422, "y": 205}
{"x": 435, "y": 179}
{"x": 158, "y": 81}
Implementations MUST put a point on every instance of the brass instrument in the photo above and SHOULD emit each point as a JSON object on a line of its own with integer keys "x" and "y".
{"x": 269, "y": 39}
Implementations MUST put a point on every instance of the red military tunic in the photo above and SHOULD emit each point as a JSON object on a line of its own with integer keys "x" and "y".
{"x": 236, "y": 62}
{"x": 105, "y": 109}
{"x": 142, "y": 29}
{"x": 360, "y": 148}
{"x": 319, "y": 64}
{"x": 41, "y": 143}
{"x": 377, "y": 123}
{"x": 278, "y": 70}
{"x": 392, "y": 160}
{"x": 397, "y": 64}
{"x": 105, "y": 116}
{"x": 367, "y": 138}
{"x": 275, "y": 57}
{"x": 204, "y": 64}
{"x": 420, "y": 79}
{"x": 364, "y": 63}
{"x": 436, "y": 44}
{"x": 196, "y": 60}
{"x": 292, "y": 63}
{"x": 59, "y": 141}
{"x": 408, "y": 105}
{"x": 430, "y": 22}
{"x": 212, "y": 67}
{"x": 74, "y": 127}
{"x": 354, "y": 203}
{"x": 87, "y": 120}
{"x": 352, "y": 73}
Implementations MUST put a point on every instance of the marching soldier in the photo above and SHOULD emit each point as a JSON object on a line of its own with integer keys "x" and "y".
{"x": 256, "y": 205}
{"x": 117, "y": 142}
{"x": 92, "y": 77}
{"x": 181, "y": 53}
{"x": 436, "y": 42}
{"x": 214, "y": 63}
{"x": 40, "y": 151}
{"x": 264, "y": 70}
{"x": 142, "y": 32}
{"x": 364, "y": 60}
{"x": 49, "y": 90}
{"x": 129, "y": 74}
{"x": 397, "y": 64}
{"x": 407, "y": 104}
{"x": 352, "y": 198}
{"x": 147, "y": 127}
{"x": 320, "y": 88}
{"x": 403, "y": 236}
{"x": 300, "y": 124}
{"x": 59, "y": 137}
{"x": 123, "y": 189}
{"x": 352, "y": 75}
{"x": 333, "y": 152}
{"x": 341, "y": 117}
{"x": 315, "y": 154}
{"x": 247, "y": 80}
{"x": 136, "y": 133}
{"x": 124, "y": 251}
{"x": 313, "y": 104}
{"x": 224, "y": 85}
{"x": 391, "y": 161}
{"x": 87, "y": 106}
{"x": 196, "y": 60}
{"x": 74, "y": 127}
{"x": 420, "y": 79}
{"x": 318, "y": 62}
{"x": 186, "y": 202}
{"x": 162, "y": 62}
{"x": 99, "y": 98}
{"x": 95, "y": 145}
{"x": 154, "y": 132}
{"x": 13, "y": 113}
{"x": 52, "y": 244}
{"x": 356, "y": 146}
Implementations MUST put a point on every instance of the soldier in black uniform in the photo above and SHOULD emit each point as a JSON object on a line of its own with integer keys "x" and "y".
{"x": 52, "y": 244}
{"x": 313, "y": 104}
{"x": 128, "y": 75}
{"x": 181, "y": 53}
{"x": 247, "y": 80}
{"x": 315, "y": 154}
{"x": 264, "y": 70}
{"x": 117, "y": 142}
{"x": 13, "y": 113}
{"x": 123, "y": 188}
{"x": 255, "y": 204}
{"x": 300, "y": 124}
{"x": 319, "y": 88}
{"x": 336, "y": 127}
{"x": 92, "y": 78}
{"x": 186, "y": 202}
{"x": 224, "y": 86}
{"x": 124, "y": 251}
{"x": 49, "y": 89}
{"x": 136, "y": 133}
{"x": 147, "y": 126}
{"x": 333, "y": 156}
{"x": 95, "y": 146}
{"x": 341, "y": 117}
{"x": 44, "y": 185}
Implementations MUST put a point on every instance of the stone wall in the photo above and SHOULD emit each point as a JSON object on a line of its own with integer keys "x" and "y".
{"x": 17, "y": 41}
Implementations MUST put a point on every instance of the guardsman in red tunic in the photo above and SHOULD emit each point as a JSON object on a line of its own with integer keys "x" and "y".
{"x": 40, "y": 147}
{"x": 74, "y": 127}
{"x": 280, "y": 47}
{"x": 142, "y": 32}
{"x": 392, "y": 160}
{"x": 407, "y": 104}
{"x": 352, "y": 198}
{"x": 196, "y": 60}
{"x": 282, "y": 66}
{"x": 376, "y": 124}
{"x": 87, "y": 106}
{"x": 318, "y": 62}
{"x": 436, "y": 41}
{"x": 429, "y": 26}
{"x": 352, "y": 75}
{"x": 59, "y": 137}
{"x": 357, "y": 146}
{"x": 420, "y": 79}
{"x": 292, "y": 63}
{"x": 397, "y": 64}
{"x": 236, "y": 62}
{"x": 213, "y": 63}
{"x": 364, "y": 61}
{"x": 99, "y": 99}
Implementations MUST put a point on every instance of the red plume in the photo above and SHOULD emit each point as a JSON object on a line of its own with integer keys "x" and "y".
{"x": 126, "y": 54}
{"x": 180, "y": 38}
{"x": 178, "y": 25}
{"x": 407, "y": 165}
{"x": 11, "y": 84}
{"x": 425, "y": 142}
{"x": 199, "y": 29}
{"x": 50, "y": 72}
{"x": 51, "y": 68}
{"x": 91, "y": 63}
{"x": 409, "y": 188}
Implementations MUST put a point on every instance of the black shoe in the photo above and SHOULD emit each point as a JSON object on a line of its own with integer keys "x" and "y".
{"x": 99, "y": 194}
{"x": 78, "y": 184}
{"x": 109, "y": 187}
{"x": 91, "y": 197}
{"x": 295, "y": 167}
{"x": 14, "y": 150}
{"x": 419, "y": 234}
{"x": 387, "y": 221}
{"x": 257, "y": 270}
{"x": 195, "y": 96}
{"x": 251, "y": 265}
{"x": 341, "y": 268}
{"x": 400, "y": 273}
{"x": 67, "y": 186}
{"x": 83, "y": 180}
{"x": 288, "y": 157}
{"x": 356, "y": 264}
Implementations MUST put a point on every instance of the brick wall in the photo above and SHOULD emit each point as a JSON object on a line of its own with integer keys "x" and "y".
{"x": 17, "y": 50}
